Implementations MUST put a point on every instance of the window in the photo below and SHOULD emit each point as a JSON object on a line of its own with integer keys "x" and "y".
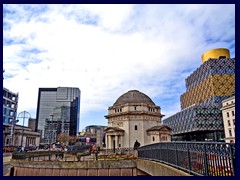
{"x": 227, "y": 114}
{"x": 233, "y": 114}
{"x": 135, "y": 108}
{"x": 163, "y": 138}
{"x": 230, "y": 133}
{"x": 234, "y": 122}
{"x": 153, "y": 138}
{"x": 229, "y": 124}
{"x": 222, "y": 57}
{"x": 135, "y": 127}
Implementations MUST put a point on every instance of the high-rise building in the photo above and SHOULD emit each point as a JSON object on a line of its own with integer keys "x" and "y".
{"x": 58, "y": 111}
{"x": 201, "y": 118}
{"x": 10, "y": 104}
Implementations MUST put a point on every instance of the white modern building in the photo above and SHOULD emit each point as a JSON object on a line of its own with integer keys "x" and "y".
{"x": 228, "y": 112}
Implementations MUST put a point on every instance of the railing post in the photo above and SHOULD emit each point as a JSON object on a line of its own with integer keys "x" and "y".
{"x": 205, "y": 161}
{"x": 232, "y": 159}
{"x": 167, "y": 154}
{"x": 189, "y": 158}
{"x": 176, "y": 153}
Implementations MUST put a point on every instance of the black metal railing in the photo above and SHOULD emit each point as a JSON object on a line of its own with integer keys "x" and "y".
{"x": 37, "y": 155}
{"x": 70, "y": 155}
{"x": 197, "y": 158}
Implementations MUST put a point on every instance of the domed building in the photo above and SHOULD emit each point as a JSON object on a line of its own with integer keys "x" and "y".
{"x": 134, "y": 116}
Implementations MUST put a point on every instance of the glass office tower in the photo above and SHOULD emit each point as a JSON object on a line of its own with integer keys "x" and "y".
{"x": 58, "y": 111}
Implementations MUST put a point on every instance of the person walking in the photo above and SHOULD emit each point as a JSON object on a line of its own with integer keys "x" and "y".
{"x": 135, "y": 147}
{"x": 95, "y": 150}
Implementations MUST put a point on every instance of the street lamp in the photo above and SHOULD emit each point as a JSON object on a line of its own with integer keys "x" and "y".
{"x": 23, "y": 114}
{"x": 12, "y": 130}
{"x": 51, "y": 131}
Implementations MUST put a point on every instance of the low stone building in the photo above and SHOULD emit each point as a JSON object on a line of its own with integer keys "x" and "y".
{"x": 134, "y": 116}
{"x": 22, "y": 136}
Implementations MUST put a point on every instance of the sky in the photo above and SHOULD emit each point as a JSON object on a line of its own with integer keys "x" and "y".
{"x": 108, "y": 49}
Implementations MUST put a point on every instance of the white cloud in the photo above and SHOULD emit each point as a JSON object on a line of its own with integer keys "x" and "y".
{"x": 106, "y": 50}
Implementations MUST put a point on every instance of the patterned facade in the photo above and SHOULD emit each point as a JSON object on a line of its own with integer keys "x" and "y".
{"x": 201, "y": 118}
{"x": 216, "y": 77}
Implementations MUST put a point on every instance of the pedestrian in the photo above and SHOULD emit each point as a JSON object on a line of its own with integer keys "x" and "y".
{"x": 136, "y": 144}
{"x": 135, "y": 147}
{"x": 95, "y": 150}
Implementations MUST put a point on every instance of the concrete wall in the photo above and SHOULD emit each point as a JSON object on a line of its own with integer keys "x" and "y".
{"x": 137, "y": 167}
{"x": 158, "y": 169}
{"x": 87, "y": 168}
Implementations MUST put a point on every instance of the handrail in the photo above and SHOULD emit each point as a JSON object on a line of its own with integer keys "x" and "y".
{"x": 197, "y": 158}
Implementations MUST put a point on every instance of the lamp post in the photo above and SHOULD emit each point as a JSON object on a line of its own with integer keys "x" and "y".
{"x": 24, "y": 115}
{"x": 12, "y": 130}
{"x": 51, "y": 130}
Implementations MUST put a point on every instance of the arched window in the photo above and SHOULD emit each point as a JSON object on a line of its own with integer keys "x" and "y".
{"x": 153, "y": 138}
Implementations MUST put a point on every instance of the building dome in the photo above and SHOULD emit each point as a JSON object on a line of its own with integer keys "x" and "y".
{"x": 133, "y": 96}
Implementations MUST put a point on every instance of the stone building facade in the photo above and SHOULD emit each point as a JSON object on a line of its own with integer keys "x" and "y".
{"x": 22, "y": 136}
{"x": 228, "y": 112}
{"x": 134, "y": 116}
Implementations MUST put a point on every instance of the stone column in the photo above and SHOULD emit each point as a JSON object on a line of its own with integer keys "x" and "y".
{"x": 106, "y": 141}
{"x": 121, "y": 141}
{"x": 109, "y": 141}
{"x": 116, "y": 140}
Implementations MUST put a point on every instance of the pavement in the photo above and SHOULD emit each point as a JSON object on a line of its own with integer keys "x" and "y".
{"x": 7, "y": 157}
{"x": 6, "y": 162}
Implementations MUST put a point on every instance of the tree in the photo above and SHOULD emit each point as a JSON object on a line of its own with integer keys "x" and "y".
{"x": 72, "y": 139}
{"x": 63, "y": 138}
